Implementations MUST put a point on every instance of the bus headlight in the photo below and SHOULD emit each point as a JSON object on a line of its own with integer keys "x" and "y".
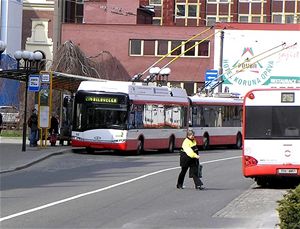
{"x": 76, "y": 138}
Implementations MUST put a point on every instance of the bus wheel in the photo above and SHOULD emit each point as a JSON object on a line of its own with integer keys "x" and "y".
{"x": 171, "y": 145}
{"x": 239, "y": 142}
{"x": 205, "y": 142}
{"x": 140, "y": 147}
{"x": 90, "y": 150}
{"x": 261, "y": 181}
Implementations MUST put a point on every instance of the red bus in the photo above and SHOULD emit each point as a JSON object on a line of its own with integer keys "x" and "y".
{"x": 126, "y": 116}
{"x": 271, "y": 134}
{"x": 217, "y": 120}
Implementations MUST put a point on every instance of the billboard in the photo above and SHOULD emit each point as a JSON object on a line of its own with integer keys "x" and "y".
{"x": 258, "y": 59}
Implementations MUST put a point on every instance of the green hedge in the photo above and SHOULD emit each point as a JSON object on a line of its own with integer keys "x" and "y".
{"x": 289, "y": 209}
{"x": 11, "y": 133}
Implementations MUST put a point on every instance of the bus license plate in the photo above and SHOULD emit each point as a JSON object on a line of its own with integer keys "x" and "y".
{"x": 287, "y": 171}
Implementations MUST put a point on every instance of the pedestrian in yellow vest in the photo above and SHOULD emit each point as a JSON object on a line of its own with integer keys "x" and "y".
{"x": 189, "y": 159}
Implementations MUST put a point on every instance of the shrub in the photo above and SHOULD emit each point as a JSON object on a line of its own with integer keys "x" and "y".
{"x": 289, "y": 209}
{"x": 11, "y": 133}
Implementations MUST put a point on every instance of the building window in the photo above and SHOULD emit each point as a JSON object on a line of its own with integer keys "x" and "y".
{"x": 277, "y": 18}
{"x": 189, "y": 48}
{"x": 252, "y": 0}
{"x": 289, "y": 19}
{"x": 192, "y": 11}
{"x": 180, "y": 10}
{"x": 157, "y": 6}
{"x": 243, "y": 18}
{"x": 187, "y": 10}
{"x": 203, "y": 48}
{"x": 218, "y": 11}
{"x": 73, "y": 11}
{"x": 285, "y": 11}
{"x": 149, "y": 47}
{"x": 135, "y": 47}
{"x": 224, "y": 19}
{"x": 211, "y": 20}
{"x": 175, "y": 44}
{"x": 156, "y": 21}
{"x": 253, "y": 11}
{"x": 218, "y": 1}
{"x": 155, "y": 2}
{"x": 163, "y": 47}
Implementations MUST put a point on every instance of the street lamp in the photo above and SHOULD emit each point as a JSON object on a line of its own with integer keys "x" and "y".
{"x": 2, "y": 49}
{"x": 153, "y": 74}
{"x": 28, "y": 58}
{"x": 163, "y": 75}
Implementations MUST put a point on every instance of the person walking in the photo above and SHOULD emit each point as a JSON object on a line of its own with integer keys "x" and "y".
{"x": 53, "y": 130}
{"x": 189, "y": 159}
{"x": 33, "y": 125}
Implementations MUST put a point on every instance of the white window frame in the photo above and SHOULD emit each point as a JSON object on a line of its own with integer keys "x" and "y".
{"x": 142, "y": 48}
{"x": 184, "y": 12}
{"x": 187, "y": 10}
{"x": 218, "y": 1}
{"x": 153, "y": 3}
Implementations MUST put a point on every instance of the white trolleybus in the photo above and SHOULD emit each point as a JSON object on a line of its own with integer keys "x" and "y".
{"x": 217, "y": 120}
{"x": 271, "y": 135}
{"x": 126, "y": 116}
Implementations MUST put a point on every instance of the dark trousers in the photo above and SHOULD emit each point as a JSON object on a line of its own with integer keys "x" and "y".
{"x": 181, "y": 176}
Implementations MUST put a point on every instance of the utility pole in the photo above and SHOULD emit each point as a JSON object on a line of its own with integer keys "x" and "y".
{"x": 221, "y": 62}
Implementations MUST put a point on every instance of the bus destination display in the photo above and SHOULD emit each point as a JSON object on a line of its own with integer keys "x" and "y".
{"x": 287, "y": 97}
{"x": 101, "y": 99}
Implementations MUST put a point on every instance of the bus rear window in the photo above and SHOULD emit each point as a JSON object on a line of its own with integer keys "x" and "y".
{"x": 268, "y": 122}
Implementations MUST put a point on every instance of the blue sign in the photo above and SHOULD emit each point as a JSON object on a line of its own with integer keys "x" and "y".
{"x": 211, "y": 75}
{"x": 34, "y": 83}
{"x": 210, "y": 78}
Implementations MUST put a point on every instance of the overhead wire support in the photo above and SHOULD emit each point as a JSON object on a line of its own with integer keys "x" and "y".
{"x": 247, "y": 60}
{"x": 140, "y": 75}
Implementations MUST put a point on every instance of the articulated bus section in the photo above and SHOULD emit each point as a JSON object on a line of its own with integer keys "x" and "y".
{"x": 217, "y": 120}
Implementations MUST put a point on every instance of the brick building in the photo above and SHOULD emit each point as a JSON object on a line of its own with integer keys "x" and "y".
{"x": 139, "y": 32}
{"x": 114, "y": 26}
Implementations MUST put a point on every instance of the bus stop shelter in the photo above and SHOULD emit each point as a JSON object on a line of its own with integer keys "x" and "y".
{"x": 60, "y": 82}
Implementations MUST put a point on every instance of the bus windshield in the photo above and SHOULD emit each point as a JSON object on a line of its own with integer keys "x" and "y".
{"x": 100, "y": 113}
{"x": 272, "y": 122}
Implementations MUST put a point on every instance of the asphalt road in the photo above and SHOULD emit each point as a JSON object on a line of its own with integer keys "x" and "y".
{"x": 113, "y": 191}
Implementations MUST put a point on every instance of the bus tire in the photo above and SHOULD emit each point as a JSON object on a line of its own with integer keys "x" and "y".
{"x": 171, "y": 145}
{"x": 90, "y": 150}
{"x": 140, "y": 147}
{"x": 205, "y": 144}
{"x": 261, "y": 181}
{"x": 239, "y": 141}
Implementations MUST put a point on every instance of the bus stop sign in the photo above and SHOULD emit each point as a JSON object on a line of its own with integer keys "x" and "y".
{"x": 34, "y": 83}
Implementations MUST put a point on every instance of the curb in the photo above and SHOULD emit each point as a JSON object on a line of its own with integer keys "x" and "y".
{"x": 33, "y": 162}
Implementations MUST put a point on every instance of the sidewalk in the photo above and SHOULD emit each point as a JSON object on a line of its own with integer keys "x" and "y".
{"x": 13, "y": 158}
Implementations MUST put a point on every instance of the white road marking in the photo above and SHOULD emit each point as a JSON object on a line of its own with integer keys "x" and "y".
{"x": 101, "y": 189}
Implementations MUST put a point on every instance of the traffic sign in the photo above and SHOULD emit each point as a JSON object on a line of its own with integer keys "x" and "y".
{"x": 211, "y": 75}
{"x": 34, "y": 83}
